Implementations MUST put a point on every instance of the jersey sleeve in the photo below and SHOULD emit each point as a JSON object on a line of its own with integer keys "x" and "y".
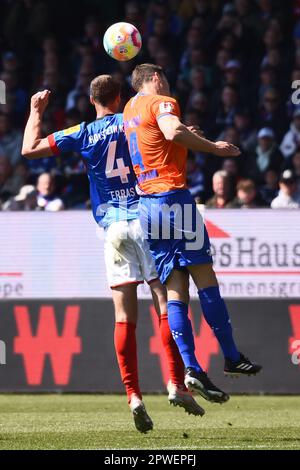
{"x": 66, "y": 140}
{"x": 165, "y": 106}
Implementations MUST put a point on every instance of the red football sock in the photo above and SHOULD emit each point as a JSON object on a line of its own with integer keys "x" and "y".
{"x": 125, "y": 346}
{"x": 175, "y": 363}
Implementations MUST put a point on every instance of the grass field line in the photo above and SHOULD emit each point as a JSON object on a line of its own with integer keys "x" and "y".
{"x": 105, "y": 422}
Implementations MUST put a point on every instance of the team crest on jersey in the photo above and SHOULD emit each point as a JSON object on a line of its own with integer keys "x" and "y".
{"x": 166, "y": 107}
{"x": 72, "y": 130}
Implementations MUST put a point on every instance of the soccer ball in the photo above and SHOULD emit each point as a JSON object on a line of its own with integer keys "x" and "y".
{"x": 122, "y": 41}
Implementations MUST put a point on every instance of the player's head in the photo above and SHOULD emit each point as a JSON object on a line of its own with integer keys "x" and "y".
{"x": 151, "y": 78}
{"x": 105, "y": 92}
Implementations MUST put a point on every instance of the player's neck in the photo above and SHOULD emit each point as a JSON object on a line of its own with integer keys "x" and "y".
{"x": 104, "y": 111}
{"x": 148, "y": 89}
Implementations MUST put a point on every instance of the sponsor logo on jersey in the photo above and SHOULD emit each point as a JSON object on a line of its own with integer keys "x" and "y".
{"x": 72, "y": 130}
{"x": 166, "y": 107}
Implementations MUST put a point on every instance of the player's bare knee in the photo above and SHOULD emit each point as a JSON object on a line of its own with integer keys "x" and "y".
{"x": 203, "y": 275}
{"x": 159, "y": 296}
{"x": 178, "y": 286}
{"x": 122, "y": 316}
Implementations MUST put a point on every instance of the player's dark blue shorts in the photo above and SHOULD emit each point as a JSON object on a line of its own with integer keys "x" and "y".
{"x": 175, "y": 231}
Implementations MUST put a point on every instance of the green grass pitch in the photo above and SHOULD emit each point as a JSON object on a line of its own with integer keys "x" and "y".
{"x": 104, "y": 422}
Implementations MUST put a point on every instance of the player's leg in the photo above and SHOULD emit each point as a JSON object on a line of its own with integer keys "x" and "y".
{"x": 126, "y": 313}
{"x": 214, "y": 308}
{"x": 178, "y": 394}
{"x": 175, "y": 363}
{"x": 216, "y": 314}
{"x": 124, "y": 274}
{"x": 180, "y": 324}
{"x": 125, "y": 303}
{"x": 178, "y": 297}
{"x": 167, "y": 254}
{"x": 159, "y": 296}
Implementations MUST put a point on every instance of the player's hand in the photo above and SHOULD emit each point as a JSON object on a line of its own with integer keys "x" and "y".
{"x": 39, "y": 101}
{"x": 196, "y": 130}
{"x": 225, "y": 149}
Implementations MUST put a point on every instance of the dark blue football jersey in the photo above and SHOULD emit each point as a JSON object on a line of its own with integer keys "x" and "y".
{"x": 104, "y": 150}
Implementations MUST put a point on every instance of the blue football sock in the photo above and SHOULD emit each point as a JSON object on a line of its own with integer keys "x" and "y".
{"x": 216, "y": 314}
{"x": 182, "y": 332}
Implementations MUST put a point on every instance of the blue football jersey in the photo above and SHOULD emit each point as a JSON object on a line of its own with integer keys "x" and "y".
{"x": 104, "y": 150}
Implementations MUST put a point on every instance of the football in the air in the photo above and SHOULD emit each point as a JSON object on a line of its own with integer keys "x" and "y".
{"x": 122, "y": 41}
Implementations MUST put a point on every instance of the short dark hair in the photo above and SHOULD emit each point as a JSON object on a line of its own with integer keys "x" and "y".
{"x": 105, "y": 89}
{"x": 143, "y": 73}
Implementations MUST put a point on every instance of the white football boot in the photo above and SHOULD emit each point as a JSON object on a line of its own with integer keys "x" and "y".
{"x": 178, "y": 396}
{"x": 142, "y": 420}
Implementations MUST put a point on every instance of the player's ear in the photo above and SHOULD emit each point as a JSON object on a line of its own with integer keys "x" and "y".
{"x": 156, "y": 77}
{"x": 92, "y": 101}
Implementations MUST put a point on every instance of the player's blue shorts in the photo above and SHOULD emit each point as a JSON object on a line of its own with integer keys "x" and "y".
{"x": 175, "y": 231}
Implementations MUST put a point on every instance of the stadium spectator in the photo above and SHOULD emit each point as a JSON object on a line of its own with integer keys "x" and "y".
{"x": 153, "y": 44}
{"x": 133, "y": 15}
{"x": 161, "y": 19}
{"x": 230, "y": 64}
{"x": 10, "y": 181}
{"x": 10, "y": 139}
{"x": 266, "y": 157}
{"x": 222, "y": 188}
{"x": 81, "y": 87}
{"x": 289, "y": 195}
{"x": 25, "y": 200}
{"x": 34, "y": 17}
{"x": 227, "y": 108}
{"x": 197, "y": 84}
{"x": 92, "y": 32}
{"x": 46, "y": 164}
{"x": 291, "y": 140}
{"x": 195, "y": 178}
{"x": 232, "y": 76}
{"x": 231, "y": 135}
{"x": 47, "y": 199}
{"x": 271, "y": 113}
{"x": 200, "y": 108}
{"x": 247, "y": 196}
{"x": 84, "y": 108}
{"x": 272, "y": 61}
{"x": 269, "y": 190}
{"x": 268, "y": 80}
{"x": 247, "y": 133}
{"x": 294, "y": 165}
{"x": 194, "y": 38}
{"x": 164, "y": 58}
{"x": 222, "y": 58}
{"x": 232, "y": 167}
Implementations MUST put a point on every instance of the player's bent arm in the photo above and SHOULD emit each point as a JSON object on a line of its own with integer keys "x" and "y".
{"x": 33, "y": 145}
{"x": 174, "y": 130}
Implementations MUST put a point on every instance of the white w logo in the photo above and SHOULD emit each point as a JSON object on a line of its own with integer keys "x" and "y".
{"x": 2, "y": 353}
{"x": 2, "y": 92}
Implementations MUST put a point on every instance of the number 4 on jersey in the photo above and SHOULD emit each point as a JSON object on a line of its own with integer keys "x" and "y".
{"x": 122, "y": 171}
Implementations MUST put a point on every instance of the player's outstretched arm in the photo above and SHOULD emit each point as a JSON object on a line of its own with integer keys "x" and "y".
{"x": 33, "y": 145}
{"x": 173, "y": 129}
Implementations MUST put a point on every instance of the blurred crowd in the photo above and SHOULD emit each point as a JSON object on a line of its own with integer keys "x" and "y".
{"x": 231, "y": 66}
